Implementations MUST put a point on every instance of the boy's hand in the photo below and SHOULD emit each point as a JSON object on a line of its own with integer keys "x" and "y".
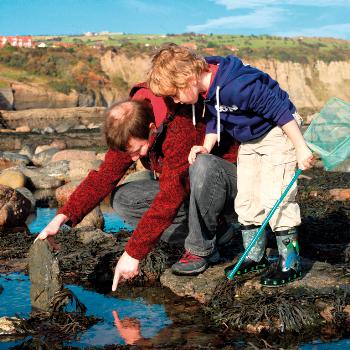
{"x": 194, "y": 151}
{"x": 304, "y": 158}
{"x": 127, "y": 267}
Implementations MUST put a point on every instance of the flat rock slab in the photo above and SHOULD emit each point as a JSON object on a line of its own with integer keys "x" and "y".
{"x": 202, "y": 287}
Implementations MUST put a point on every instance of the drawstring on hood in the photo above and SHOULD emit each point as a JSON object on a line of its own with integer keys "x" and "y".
{"x": 218, "y": 113}
{"x": 193, "y": 115}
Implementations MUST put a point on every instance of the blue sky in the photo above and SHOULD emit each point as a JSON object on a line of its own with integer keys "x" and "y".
{"x": 329, "y": 18}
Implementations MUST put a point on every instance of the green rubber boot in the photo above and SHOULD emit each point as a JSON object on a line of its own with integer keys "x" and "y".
{"x": 256, "y": 259}
{"x": 288, "y": 267}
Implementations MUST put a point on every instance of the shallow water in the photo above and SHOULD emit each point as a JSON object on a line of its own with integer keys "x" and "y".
{"x": 161, "y": 321}
{"x": 43, "y": 216}
{"x": 152, "y": 318}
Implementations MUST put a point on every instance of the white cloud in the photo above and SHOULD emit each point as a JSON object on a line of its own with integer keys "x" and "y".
{"x": 251, "y": 4}
{"x": 258, "y": 19}
{"x": 341, "y": 30}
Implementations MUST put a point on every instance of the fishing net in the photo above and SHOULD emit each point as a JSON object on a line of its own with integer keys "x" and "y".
{"x": 329, "y": 133}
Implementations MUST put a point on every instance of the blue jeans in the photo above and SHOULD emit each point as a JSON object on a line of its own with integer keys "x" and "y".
{"x": 199, "y": 220}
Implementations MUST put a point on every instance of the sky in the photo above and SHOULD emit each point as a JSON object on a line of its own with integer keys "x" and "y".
{"x": 326, "y": 18}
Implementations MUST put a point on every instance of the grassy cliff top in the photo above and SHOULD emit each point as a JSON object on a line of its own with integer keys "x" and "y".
{"x": 296, "y": 49}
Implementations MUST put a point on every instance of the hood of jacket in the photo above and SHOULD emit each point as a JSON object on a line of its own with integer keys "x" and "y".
{"x": 244, "y": 100}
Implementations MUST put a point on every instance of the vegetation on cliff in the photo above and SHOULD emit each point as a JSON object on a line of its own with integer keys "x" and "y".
{"x": 78, "y": 66}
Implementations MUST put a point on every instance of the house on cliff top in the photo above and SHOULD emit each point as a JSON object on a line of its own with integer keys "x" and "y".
{"x": 17, "y": 41}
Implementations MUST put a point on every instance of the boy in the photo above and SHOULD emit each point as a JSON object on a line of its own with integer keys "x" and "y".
{"x": 249, "y": 105}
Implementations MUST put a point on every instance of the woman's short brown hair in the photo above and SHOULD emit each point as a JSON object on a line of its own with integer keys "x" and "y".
{"x": 172, "y": 67}
{"x": 127, "y": 119}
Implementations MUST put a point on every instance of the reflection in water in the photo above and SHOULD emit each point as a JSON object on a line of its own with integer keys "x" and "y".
{"x": 137, "y": 317}
{"x": 151, "y": 317}
{"x": 113, "y": 223}
{"x": 129, "y": 329}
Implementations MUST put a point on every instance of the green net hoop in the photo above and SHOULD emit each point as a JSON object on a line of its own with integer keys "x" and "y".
{"x": 329, "y": 133}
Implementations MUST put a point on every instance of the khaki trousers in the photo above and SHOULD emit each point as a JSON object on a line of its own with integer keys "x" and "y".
{"x": 264, "y": 169}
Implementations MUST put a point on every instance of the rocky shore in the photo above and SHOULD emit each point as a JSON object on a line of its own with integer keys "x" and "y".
{"x": 319, "y": 303}
{"x": 44, "y": 172}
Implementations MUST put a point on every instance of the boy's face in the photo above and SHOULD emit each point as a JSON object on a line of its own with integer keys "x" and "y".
{"x": 188, "y": 95}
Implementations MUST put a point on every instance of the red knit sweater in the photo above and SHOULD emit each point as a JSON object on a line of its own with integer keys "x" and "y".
{"x": 169, "y": 159}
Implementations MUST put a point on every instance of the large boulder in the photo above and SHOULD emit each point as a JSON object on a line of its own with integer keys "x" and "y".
{"x": 38, "y": 179}
{"x": 64, "y": 192}
{"x": 14, "y": 207}
{"x": 78, "y": 169}
{"x": 74, "y": 154}
{"x": 12, "y": 178}
{"x": 93, "y": 219}
{"x": 29, "y": 195}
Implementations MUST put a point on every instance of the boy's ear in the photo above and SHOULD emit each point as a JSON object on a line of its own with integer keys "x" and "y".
{"x": 193, "y": 81}
{"x": 152, "y": 127}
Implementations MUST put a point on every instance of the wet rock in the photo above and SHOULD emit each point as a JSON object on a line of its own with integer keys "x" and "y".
{"x": 78, "y": 169}
{"x": 44, "y": 157}
{"x": 11, "y": 326}
{"x": 200, "y": 287}
{"x": 9, "y": 159}
{"x": 12, "y": 178}
{"x": 41, "y": 148}
{"x": 87, "y": 237}
{"x": 27, "y": 150}
{"x": 340, "y": 194}
{"x": 39, "y": 180}
{"x": 60, "y": 144}
{"x": 59, "y": 170}
{"x": 93, "y": 219}
{"x": 72, "y": 154}
{"x": 44, "y": 273}
{"x": 29, "y": 195}
{"x": 64, "y": 192}
{"x": 14, "y": 207}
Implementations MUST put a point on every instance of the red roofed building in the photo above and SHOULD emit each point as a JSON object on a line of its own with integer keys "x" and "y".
{"x": 192, "y": 46}
{"x": 17, "y": 41}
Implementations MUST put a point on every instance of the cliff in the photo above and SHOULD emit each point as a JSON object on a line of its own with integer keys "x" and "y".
{"x": 309, "y": 85}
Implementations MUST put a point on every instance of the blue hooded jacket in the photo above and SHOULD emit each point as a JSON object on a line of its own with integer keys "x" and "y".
{"x": 249, "y": 101}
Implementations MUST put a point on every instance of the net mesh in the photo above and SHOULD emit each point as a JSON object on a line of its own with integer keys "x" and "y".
{"x": 329, "y": 133}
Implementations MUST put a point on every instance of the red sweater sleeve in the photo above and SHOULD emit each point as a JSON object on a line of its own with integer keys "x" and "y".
{"x": 96, "y": 186}
{"x": 174, "y": 188}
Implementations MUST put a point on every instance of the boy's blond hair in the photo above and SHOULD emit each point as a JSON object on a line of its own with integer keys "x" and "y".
{"x": 172, "y": 68}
